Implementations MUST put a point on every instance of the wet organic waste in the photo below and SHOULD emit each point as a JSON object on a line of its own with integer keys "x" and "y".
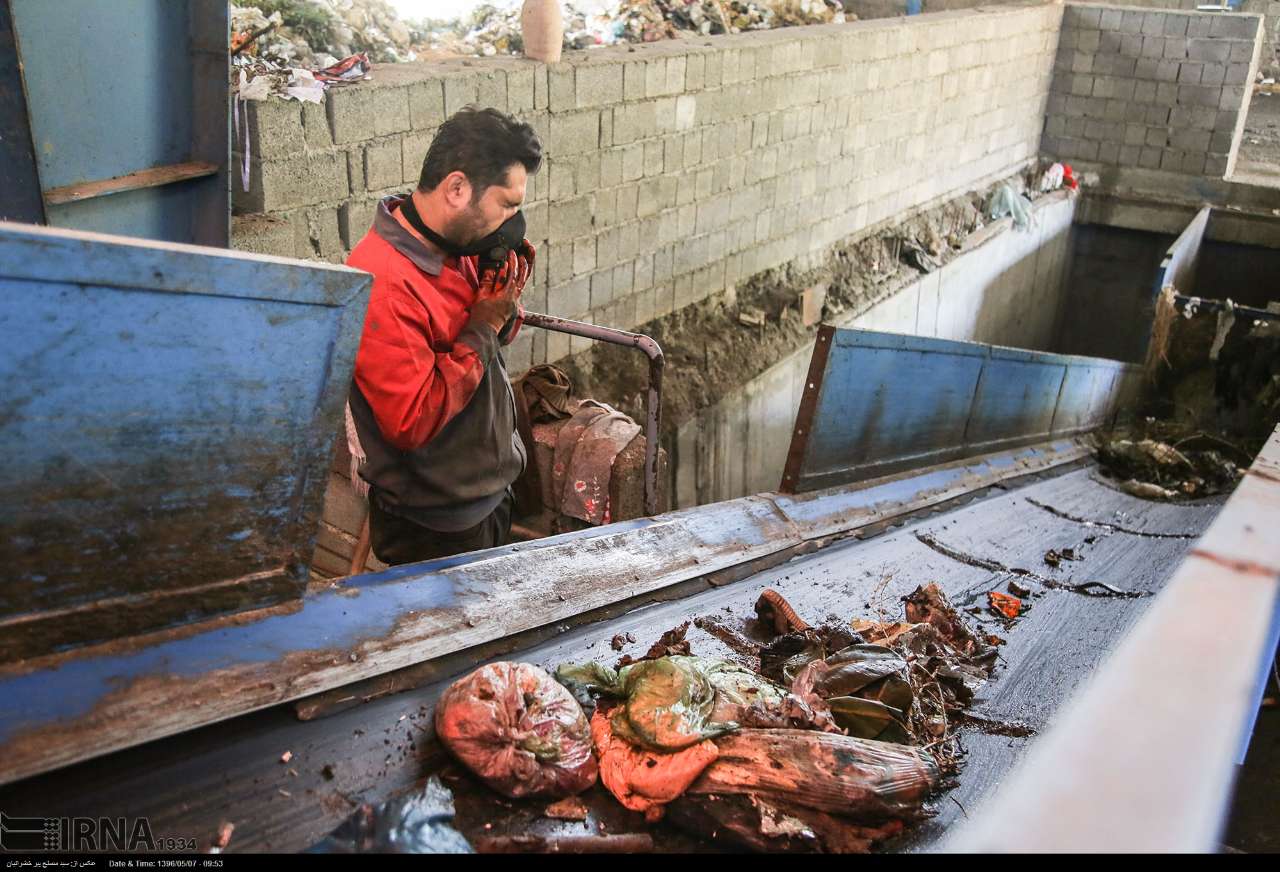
{"x": 833, "y": 742}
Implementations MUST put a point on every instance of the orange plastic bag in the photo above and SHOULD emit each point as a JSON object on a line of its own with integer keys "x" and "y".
{"x": 645, "y": 780}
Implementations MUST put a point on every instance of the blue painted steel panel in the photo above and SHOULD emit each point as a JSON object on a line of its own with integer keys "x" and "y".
{"x": 886, "y": 402}
{"x": 168, "y": 413}
{"x": 119, "y": 86}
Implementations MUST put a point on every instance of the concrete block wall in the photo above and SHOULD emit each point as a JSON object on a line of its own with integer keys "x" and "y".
{"x": 1154, "y": 89}
{"x": 675, "y": 170}
{"x": 1009, "y": 289}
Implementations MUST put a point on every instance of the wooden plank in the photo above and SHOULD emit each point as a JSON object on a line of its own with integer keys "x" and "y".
{"x": 149, "y": 178}
{"x": 1144, "y": 757}
{"x": 89, "y": 702}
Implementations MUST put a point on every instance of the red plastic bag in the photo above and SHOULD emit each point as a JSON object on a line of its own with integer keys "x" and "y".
{"x": 518, "y": 730}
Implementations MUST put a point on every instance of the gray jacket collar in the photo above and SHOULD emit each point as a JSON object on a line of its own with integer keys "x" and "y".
{"x": 385, "y": 225}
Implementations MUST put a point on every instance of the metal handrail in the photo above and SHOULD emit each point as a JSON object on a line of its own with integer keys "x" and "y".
{"x": 653, "y": 406}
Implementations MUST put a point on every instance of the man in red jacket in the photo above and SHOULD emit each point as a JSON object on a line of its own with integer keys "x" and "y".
{"x": 430, "y": 403}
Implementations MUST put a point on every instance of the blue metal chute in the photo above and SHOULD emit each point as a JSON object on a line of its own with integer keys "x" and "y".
{"x": 168, "y": 412}
{"x": 878, "y": 403}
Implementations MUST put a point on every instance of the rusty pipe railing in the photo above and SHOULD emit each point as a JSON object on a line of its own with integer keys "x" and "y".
{"x": 653, "y": 406}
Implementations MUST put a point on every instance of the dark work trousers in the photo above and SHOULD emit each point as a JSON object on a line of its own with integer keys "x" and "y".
{"x": 397, "y": 540}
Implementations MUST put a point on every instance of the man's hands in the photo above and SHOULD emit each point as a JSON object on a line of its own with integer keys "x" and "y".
{"x": 500, "y": 288}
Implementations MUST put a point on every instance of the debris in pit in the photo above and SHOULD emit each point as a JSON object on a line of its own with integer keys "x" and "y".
{"x": 775, "y": 612}
{"x": 927, "y": 604}
{"x": 1155, "y": 470}
{"x": 418, "y": 823}
{"x": 571, "y": 808}
{"x": 1004, "y": 605}
{"x": 519, "y": 730}
{"x": 327, "y": 772}
{"x": 618, "y": 642}
{"x": 286, "y": 757}
{"x": 1018, "y": 590}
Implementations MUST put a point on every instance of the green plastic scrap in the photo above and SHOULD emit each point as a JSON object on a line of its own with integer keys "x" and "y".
{"x": 673, "y": 702}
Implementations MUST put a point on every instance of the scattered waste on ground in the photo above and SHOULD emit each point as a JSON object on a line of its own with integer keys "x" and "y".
{"x": 1156, "y": 470}
{"x": 417, "y": 823}
{"x": 1004, "y": 605}
{"x": 571, "y": 808}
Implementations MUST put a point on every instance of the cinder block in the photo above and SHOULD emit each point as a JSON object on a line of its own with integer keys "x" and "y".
{"x": 355, "y": 217}
{"x": 1233, "y": 26}
{"x": 1146, "y": 68}
{"x": 1220, "y": 141}
{"x": 599, "y": 85}
{"x": 1157, "y": 137}
{"x": 634, "y": 121}
{"x": 1166, "y": 95}
{"x": 1242, "y": 51}
{"x": 1225, "y": 120}
{"x": 574, "y": 133}
{"x": 520, "y": 89}
{"x": 262, "y": 234}
{"x": 1231, "y": 97}
{"x": 1209, "y": 50}
{"x": 1153, "y": 47}
{"x": 570, "y": 219}
{"x": 1175, "y": 25}
{"x": 1150, "y": 158}
{"x": 1215, "y": 165}
{"x": 1129, "y": 156}
{"x": 1236, "y": 74}
{"x": 491, "y": 89}
{"x": 275, "y": 128}
{"x": 633, "y": 162}
{"x": 1167, "y": 71}
{"x": 299, "y": 181}
{"x": 1131, "y": 45}
{"x": 315, "y": 125}
{"x": 426, "y": 104}
{"x": 562, "y": 96}
{"x": 1175, "y": 49}
{"x": 1110, "y": 19}
{"x": 1131, "y": 22}
{"x": 1199, "y": 25}
{"x": 383, "y": 164}
{"x": 1190, "y": 140}
{"x": 1198, "y": 95}
{"x": 1109, "y": 153}
{"x": 1189, "y": 73}
{"x": 1153, "y": 23}
{"x": 1213, "y": 74}
{"x": 1144, "y": 92}
{"x": 460, "y": 90}
{"x": 315, "y": 233}
{"x": 1109, "y": 42}
{"x": 584, "y": 256}
{"x": 1193, "y": 163}
{"x": 1157, "y": 116}
{"x": 1135, "y": 134}
{"x": 601, "y": 288}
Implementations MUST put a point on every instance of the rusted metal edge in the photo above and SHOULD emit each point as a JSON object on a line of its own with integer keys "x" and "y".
{"x": 66, "y": 708}
{"x": 1143, "y": 758}
{"x": 653, "y": 405}
{"x": 148, "y": 178}
{"x": 792, "y": 471}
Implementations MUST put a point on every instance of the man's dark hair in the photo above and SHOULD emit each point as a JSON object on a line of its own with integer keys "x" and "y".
{"x": 483, "y": 144}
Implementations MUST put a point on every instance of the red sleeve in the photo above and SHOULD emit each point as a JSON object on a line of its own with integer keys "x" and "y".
{"x": 413, "y": 389}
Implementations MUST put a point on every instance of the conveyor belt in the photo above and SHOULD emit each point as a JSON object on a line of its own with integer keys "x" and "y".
{"x": 232, "y": 771}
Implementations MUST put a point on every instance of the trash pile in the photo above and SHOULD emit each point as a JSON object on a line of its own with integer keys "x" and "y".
{"x": 315, "y": 34}
{"x": 830, "y": 740}
{"x": 269, "y": 57}
{"x": 1198, "y": 465}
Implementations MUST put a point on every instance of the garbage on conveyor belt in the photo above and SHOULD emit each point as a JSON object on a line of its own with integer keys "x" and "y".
{"x": 518, "y": 730}
{"x": 417, "y": 823}
{"x": 1155, "y": 470}
{"x": 773, "y": 790}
